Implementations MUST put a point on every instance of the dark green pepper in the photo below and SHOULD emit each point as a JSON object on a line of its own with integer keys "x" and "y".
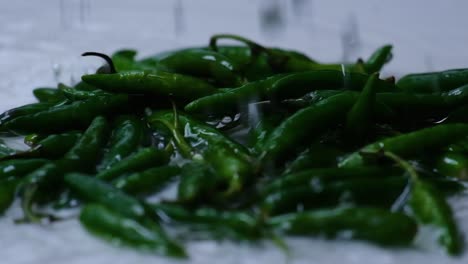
{"x": 228, "y": 102}
{"x": 143, "y": 159}
{"x": 119, "y": 229}
{"x": 430, "y": 207}
{"x": 19, "y": 167}
{"x": 359, "y": 120}
{"x": 147, "y": 181}
{"x": 151, "y": 83}
{"x": 230, "y": 160}
{"x": 453, "y": 164}
{"x": 94, "y": 190}
{"x": 77, "y": 115}
{"x": 315, "y": 156}
{"x": 48, "y": 94}
{"x": 204, "y": 64}
{"x": 433, "y": 81}
{"x": 236, "y": 224}
{"x": 411, "y": 144}
{"x": 74, "y": 94}
{"x": 378, "y": 59}
{"x": 305, "y": 124}
{"x": 373, "y": 224}
{"x": 126, "y": 138}
{"x": 373, "y": 191}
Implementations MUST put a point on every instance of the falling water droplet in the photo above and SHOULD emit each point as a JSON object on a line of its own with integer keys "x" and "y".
{"x": 272, "y": 16}
{"x": 179, "y": 15}
{"x": 350, "y": 38}
{"x": 57, "y": 70}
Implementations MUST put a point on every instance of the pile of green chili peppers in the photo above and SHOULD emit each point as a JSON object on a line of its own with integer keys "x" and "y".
{"x": 260, "y": 143}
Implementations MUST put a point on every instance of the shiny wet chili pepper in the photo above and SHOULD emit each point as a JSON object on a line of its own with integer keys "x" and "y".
{"x": 120, "y": 229}
{"x": 373, "y": 224}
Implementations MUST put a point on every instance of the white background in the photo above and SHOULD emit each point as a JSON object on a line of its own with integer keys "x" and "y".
{"x": 41, "y": 43}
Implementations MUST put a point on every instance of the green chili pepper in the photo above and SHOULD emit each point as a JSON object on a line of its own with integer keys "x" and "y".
{"x": 453, "y": 164}
{"x": 204, "y": 64}
{"x": 24, "y": 110}
{"x": 373, "y": 191}
{"x": 325, "y": 175}
{"x": 299, "y": 84}
{"x": 305, "y": 124}
{"x": 359, "y": 120}
{"x": 119, "y": 229}
{"x": 7, "y": 193}
{"x": 281, "y": 61}
{"x": 378, "y": 59}
{"x": 430, "y": 207}
{"x": 126, "y": 138}
{"x": 147, "y": 181}
{"x": 48, "y": 95}
{"x": 236, "y": 224}
{"x": 411, "y": 144}
{"x": 228, "y": 102}
{"x": 459, "y": 115}
{"x": 61, "y": 118}
{"x": 433, "y": 81}
{"x": 48, "y": 179}
{"x": 74, "y": 94}
{"x": 230, "y": 160}
{"x": 315, "y": 156}
{"x": 197, "y": 181}
{"x": 19, "y": 167}
{"x": 94, "y": 190}
{"x": 151, "y": 83}
{"x": 51, "y": 147}
{"x": 259, "y": 133}
{"x": 143, "y": 159}
{"x": 373, "y": 224}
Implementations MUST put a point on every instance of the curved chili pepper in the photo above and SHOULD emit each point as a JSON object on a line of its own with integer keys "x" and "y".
{"x": 204, "y": 64}
{"x": 373, "y": 224}
{"x": 143, "y": 159}
{"x": 306, "y": 123}
{"x": 236, "y": 224}
{"x": 74, "y": 94}
{"x": 227, "y": 102}
{"x": 47, "y": 180}
{"x": 359, "y": 119}
{"x": 51, "y": 147}
{"x": 374, "y": 191}
{"x": 94, "y": 190}
{"x": 126, "y": 138}
{"x": 378, "y": 59}
{"x": 433, "y": 81}
{"x": 299, "y": 84}
{"x": 151, "y": 83}
{"x": 229, "y": 160}
{"x": 411, "y": 144}
{"x": 48, "y": 95}
{"x": 430, "y": 207}
{"x": 19, "y": 167}
{"x": 25, "y": 110}
{"x": 77, "y": 115}
{"x": 119, "y": 229}
{"x": 147, "y": 181}
{"x": 315, "y": 156}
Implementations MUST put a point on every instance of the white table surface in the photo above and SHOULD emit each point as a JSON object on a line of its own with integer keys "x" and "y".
{"x": 41, "y": 43}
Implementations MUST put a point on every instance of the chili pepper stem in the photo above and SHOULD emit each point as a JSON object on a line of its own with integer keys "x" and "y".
{"x": 103, "y": 56}
{"x": 183, "y": 146}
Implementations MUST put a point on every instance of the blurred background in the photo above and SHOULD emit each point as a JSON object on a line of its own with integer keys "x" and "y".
{"x": 41, "y": 43}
